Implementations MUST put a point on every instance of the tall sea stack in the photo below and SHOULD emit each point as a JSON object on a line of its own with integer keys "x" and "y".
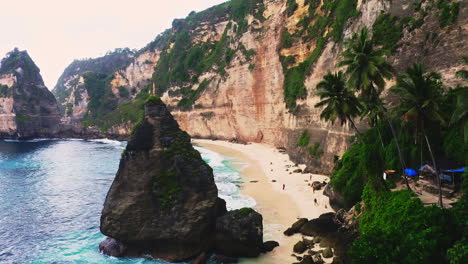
{"x": 27, "y": 108}
{"x": 163, "y": 199}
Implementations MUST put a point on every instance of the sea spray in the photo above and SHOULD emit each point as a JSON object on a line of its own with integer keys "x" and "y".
{"x": 228, "y": 178}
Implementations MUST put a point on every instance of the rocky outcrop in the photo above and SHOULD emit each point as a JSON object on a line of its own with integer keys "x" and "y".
{"x": 164, "y": 202}
{"x": 27, "y": 108}
{"x": 335, "y": 233}
{"x": 239, "y": 233}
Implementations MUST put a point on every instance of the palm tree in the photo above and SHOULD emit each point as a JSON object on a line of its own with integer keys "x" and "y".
{"x": 340, "y": 103}
{"x": 367, "y": 70}
{"x": 460, "y": 115}
{"x": 420, "y": 94}
{"x": 372, "y": 110}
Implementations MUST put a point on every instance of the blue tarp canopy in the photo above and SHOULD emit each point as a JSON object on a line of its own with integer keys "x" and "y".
{"x": 456, "y": 170}
{"x": 411, "y": 172}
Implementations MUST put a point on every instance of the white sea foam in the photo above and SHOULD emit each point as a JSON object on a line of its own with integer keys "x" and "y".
{"x": 227, "y": 178}
{"x": 107, "y": 141}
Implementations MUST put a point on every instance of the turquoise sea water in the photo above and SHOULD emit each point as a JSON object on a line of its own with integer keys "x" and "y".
{"x": 51, "y": 196}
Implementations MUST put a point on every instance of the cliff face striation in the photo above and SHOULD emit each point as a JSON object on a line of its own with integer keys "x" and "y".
{"x": 27, "y": 108}
{"x": 248, "y": 70}
{"x": 164, "y": 201}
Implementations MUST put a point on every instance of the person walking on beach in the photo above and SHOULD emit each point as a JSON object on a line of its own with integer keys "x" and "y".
{"x": 284, "y": 186}
{"x": 315, "y": 201}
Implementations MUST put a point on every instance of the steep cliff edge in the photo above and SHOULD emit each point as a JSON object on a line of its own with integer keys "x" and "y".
{"x": 27, "y": 108}
{"x": 164, "y": 201}
{"x": 248, "y": 70}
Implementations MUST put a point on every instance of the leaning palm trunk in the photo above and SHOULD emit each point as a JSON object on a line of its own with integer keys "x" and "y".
{"x": 355, "y": 129}
{"x": 400, "y": 155}
{"x": 440, "y": 203}
{"x": 381, "y": 139}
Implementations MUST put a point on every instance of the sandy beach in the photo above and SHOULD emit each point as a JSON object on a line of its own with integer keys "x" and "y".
{"x": 267, "y": 171}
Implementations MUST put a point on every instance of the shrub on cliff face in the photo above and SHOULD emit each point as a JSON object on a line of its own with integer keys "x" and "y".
{"x": 304, "y": 139}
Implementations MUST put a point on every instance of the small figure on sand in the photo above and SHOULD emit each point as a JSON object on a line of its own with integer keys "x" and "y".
{"x": 284, "y": 186}
{"x": 315, "y": 201}
{"x": 310, "y": 178}
{"x": 326, "y": 206}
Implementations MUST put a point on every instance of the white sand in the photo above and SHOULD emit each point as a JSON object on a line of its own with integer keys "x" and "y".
{"x": 280, "y": 208}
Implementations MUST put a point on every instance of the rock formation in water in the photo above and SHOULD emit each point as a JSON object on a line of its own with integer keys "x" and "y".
{"x": 247, "y": 70}
{"x": 164, "y": 201}
{"x": 27, "y": 108}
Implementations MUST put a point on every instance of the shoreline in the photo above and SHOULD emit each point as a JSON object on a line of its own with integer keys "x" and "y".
{"x": 279, "y": 208}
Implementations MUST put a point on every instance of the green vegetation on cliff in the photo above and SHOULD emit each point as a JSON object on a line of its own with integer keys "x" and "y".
{"x": 304, "y": 139}
{"x": 328, "y": 26}
{"x": 397, "y": 228}
{"x": 184, "y": 59}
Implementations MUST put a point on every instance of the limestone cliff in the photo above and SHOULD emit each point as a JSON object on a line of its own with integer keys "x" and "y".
{"x": 27, "y": 108}
{"x": 247, "y": 70}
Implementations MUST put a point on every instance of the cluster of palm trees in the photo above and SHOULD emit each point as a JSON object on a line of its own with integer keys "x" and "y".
{"x": 356, "y": 92}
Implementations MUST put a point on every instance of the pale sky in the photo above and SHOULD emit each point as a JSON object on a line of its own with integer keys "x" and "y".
{"x": 55, "y": 32}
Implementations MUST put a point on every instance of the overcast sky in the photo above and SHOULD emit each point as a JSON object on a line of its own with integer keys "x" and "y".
{"x": 55, "y": 32}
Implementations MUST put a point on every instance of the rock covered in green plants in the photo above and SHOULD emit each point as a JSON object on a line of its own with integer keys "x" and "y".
{"x": 27, "y": 108}
{"x": 163, "y": 200}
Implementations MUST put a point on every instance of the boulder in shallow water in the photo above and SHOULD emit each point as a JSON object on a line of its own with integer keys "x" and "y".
{"x": 239, "y": 233}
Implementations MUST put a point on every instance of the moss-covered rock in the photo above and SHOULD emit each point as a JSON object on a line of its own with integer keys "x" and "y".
{"x": 163, "y": 201}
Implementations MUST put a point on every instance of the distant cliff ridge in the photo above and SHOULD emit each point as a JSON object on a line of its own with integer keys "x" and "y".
{"x": 27, "y": 108}
{"x": 247, "y": 70}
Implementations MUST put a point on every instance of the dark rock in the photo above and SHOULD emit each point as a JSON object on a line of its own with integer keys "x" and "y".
{"x": 307, "y": 260}
{"x": 300, "y": 247}
{"x": 224, "y": 259}
{"x": 112, "y": 247}
{"x": 317, "y": 239}
{"x": 269, "y": 246}
{"x": 297, "y": 171}
{"x": 336, "y": 199}
{"x": 253, "y": 181}
{"x": 239, "y": 233}
{"x": 327, "y": 253}
{"x": 163, "y": 201}
{"x": 295, "y": 227}
{"x": 322, "y": 225}
{"x": 325, "y": 243}
{"x": 220, "y": 207}
{"x": 273, "y": 181}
